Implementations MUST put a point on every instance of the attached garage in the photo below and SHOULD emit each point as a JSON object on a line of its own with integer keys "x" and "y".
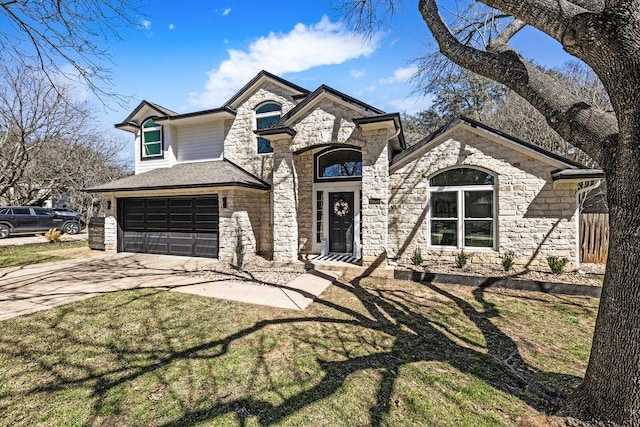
{"x": 187, "y": 226}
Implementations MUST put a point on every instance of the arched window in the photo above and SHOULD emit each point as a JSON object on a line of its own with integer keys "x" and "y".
{"x": 339, "y": 163}
{"x": 151, "y": 139}
{"x": 462, "y": 209}
{"x": 266, "y": 115}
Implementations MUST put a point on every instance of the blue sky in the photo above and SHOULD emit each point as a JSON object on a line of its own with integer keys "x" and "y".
{"x": 194, "y": 55}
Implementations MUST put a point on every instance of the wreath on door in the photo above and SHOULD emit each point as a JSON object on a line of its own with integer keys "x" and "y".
{"x": 341, "y": 208}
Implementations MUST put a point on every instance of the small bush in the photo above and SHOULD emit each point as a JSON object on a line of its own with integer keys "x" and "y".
{"x": 53, "y": 235}
{"x": 507, "y": 260}
{"x": 416, "y": 258}
{"x": 557, "y": 264}
{"x": 461, "y": 259}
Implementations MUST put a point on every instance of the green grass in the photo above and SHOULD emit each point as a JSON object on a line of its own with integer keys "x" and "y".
{"x": 367, "y": 353}
{"x": 11, "y": 256}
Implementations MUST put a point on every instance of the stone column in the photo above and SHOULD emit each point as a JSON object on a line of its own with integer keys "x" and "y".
{"x": 375, "y": 198}
{"x": 285, "y": 203}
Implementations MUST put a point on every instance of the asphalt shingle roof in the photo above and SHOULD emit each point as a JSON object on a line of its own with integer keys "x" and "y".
{"x": 215, "y": 173}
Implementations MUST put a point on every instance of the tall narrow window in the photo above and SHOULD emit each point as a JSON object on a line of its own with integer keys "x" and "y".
{"x": 151, "y": 139}
{"x": 266, "y": 115}
{"x": 319, "y": 227}
{"x": 461, "y": 206}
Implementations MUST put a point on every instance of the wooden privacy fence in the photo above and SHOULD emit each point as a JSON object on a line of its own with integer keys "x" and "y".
{"x": 594, "y": 237}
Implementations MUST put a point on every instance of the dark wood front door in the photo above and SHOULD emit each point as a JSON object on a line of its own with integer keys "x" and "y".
{"x": 341, "y": 222}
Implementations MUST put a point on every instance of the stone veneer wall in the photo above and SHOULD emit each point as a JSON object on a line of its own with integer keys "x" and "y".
{"x": 247, "y": 212}
{"x": 534, "y": 220}
{"x": 240, "y": 144}
{"x": 375, "y": 198}
{"x": 304, "y": 167}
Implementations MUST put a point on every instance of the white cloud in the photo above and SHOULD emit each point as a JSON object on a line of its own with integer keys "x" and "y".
{"x": 226, "y": 11}
{"x": 401, "y": 75}
{"x": 145, "y": 24}
{"x": 356, "y": 74}
{"x": 304, "y": 47}
{"x": 172, "y": 27}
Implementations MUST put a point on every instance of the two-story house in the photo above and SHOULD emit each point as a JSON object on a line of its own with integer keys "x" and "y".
{"x": 288, "y": 173}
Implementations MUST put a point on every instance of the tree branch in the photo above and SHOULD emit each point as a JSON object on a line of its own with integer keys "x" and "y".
{"x": 507, "y": 33}
{"x": 574, "y": 119}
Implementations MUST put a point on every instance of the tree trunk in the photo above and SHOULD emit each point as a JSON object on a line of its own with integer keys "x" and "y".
{"x": 611, "y": 387}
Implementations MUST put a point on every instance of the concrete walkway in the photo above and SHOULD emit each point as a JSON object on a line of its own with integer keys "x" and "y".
{"x": 28, "y": 289}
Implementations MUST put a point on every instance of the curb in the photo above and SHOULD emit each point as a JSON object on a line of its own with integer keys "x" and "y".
{"x": 500, "y": 282}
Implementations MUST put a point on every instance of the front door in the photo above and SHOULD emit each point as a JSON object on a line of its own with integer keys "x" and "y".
{"x": 341, "y": 222}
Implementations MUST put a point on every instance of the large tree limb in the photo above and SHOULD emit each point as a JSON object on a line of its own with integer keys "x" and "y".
{"x": 572, "y": 117}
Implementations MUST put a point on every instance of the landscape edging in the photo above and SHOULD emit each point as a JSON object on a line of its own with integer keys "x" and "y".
{"x": 499, "y": 282}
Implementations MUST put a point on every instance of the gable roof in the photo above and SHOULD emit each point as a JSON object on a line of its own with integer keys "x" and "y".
{"x": 475, "y": 125}
{"x": 265, "y": 75}
{"x": 316, "y": 95}
{"x": 162, "y": 111}
{"x": 214, "y": 173}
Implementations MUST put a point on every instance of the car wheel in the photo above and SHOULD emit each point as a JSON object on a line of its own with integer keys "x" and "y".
{"x": 4, "y": 231}
{"x": 71, "y": 228}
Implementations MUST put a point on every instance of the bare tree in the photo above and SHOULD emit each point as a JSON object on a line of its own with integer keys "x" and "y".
{"x": 605, "y": 34}
{"x": 49, "y": 144}
{"x": 52, "y": 35}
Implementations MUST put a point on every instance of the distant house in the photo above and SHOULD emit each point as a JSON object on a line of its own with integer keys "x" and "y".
{"x": 293, "y": 173}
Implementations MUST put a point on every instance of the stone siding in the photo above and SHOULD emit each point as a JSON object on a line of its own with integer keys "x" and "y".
{"x": 240, "y": 145}
{"x": 534, "y": 219}
{"x": 247, "y": 213}
{"x": 375, "y": 198}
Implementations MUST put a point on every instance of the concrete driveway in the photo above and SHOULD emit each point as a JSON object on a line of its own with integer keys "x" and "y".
{"x": 28, "y": 289}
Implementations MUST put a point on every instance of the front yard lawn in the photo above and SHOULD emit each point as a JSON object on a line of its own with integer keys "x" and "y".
{"x": 11, "y": 256}
{"x": 369, "y": 352}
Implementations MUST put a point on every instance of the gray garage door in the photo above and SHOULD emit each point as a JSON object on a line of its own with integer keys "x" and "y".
{"x": 169, "y": 225}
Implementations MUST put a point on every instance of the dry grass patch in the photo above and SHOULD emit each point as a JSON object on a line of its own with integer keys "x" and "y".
{"x": 368, "y": 352}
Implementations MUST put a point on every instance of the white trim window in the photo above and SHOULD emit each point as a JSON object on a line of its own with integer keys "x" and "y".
{"x": 266, "y": 115}
{"x": 151, "y": 139}
{"x": 462, "y": 209}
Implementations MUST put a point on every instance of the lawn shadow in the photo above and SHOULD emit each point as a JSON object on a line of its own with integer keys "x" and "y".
{"x": 391, "y": 311}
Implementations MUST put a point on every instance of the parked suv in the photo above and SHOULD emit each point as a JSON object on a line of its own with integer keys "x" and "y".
{"x": 31, "y": 219}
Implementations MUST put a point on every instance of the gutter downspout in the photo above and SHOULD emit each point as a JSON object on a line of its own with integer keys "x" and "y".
{"x": 577, "y": 214}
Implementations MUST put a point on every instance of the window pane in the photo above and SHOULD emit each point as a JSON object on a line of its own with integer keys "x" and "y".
{"x": 444, "y": 233}
{"x": 151, "y": 135}
{"x": 150, "y": 124}
{"x": 152, "y": 149}
{"x": 268, "y": 108}
{"x": 264, "y": 146}
{"x": 340, "y": 163}
{"x": 461, "y": 176}
{"x": 444, "y": 204}
{"x": 266, "y": 122}
{"x": 478, "y": 234}
{"x": 21, "y": 211}
{"x": 478, "y": 204}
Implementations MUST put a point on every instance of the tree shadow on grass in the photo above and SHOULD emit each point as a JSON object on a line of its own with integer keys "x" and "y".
{"x": 413, "y": 336}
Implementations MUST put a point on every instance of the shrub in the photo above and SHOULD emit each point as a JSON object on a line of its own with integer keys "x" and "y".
{"x": 416, "y": 258}
{"x": 239, "y": 249}
{"x": 53, "y": 235}
{"x": 507, "y": 260}
{"x": 461, "y": 259}
{"x": 557, "y": 264}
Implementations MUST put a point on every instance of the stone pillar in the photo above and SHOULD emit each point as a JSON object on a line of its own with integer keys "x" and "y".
{"x": 110, "y": 223}
{"x": 285, "y": 203}
{"x": 110, "y": 234}
{"x": 375, "y": 198}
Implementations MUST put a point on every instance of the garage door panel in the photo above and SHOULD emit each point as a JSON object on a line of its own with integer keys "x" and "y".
{"x": 177, "y": 226}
